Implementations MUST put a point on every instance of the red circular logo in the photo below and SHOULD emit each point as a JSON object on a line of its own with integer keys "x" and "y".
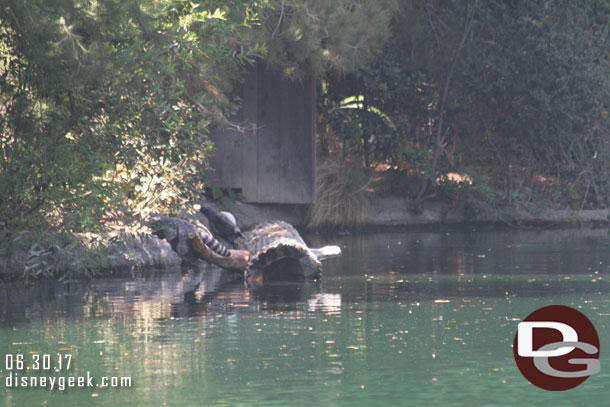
{"x": 556, "y": 348}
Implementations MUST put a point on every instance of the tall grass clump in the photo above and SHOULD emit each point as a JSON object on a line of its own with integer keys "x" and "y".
{"x": 342, "y": 195}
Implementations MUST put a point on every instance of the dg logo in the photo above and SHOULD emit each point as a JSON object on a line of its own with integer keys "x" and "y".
{"x": 556, "y": 348}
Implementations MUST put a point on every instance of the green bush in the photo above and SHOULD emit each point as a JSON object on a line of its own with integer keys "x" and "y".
{"x": 536, "y": 78}
{"x": 517, "y": 90}
{"x": 106, "y": 106}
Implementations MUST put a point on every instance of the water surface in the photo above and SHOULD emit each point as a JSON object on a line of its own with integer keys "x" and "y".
{"x": 400, "y": 319}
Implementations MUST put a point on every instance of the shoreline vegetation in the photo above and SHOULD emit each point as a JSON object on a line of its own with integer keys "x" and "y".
{"x": 428, "y": 114}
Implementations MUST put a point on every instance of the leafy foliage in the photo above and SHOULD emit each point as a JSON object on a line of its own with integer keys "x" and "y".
{"x": 106, "y": 106}
{"x": 513, "y": 94}
{"x": 225, "y": 196}
{"x": 541, "y": 98}
{"x": 321, "y": 36}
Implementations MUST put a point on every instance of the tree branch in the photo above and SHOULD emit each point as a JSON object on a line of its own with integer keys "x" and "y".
{"x": 238, "y": 260}
{"x": 439, "y": 127}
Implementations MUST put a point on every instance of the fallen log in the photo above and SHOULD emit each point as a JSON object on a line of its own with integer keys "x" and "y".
{"x": 279, "y": 252}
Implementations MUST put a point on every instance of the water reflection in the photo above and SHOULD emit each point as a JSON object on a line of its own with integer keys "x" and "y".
{"x": 184, "y": 294}
{"x": 330, "y": 303}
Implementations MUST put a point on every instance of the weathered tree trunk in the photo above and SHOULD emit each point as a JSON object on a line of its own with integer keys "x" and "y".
{"x": 277, "y": 251}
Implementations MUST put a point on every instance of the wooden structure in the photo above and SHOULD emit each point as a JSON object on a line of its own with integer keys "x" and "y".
{"x": 272, "y": 159}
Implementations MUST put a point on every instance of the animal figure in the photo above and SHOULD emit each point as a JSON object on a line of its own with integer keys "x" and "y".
{"x": 176, "y": 231}
{"x": 222, "y": 224}
{"x": 215, "y": 245}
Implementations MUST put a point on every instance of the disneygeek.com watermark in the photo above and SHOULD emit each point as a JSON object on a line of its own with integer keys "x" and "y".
{"x": 34, "y": 371}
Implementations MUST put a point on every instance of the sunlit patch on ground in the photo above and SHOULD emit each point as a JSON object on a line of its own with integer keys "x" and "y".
{"x": 455, "y": 178}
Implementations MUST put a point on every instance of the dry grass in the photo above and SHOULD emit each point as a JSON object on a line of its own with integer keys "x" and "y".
{"x": 342, "y": 195}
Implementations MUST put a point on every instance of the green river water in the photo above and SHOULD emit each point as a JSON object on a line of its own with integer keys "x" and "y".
{"x": 400, "y": 319}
